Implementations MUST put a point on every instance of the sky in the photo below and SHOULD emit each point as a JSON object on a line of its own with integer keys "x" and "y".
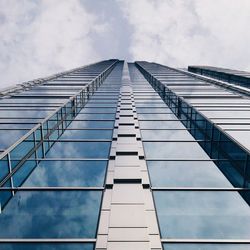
{"x": 43, "y": 37}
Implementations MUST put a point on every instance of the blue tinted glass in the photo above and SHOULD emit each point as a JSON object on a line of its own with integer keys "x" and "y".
{"x": 16, "y": 126}
{"x": 68, "y": 173}
{"x": 79, "y": 149}
{"x": 174, "y": 150}
{"x": 46, "y": 246}
{"x": 153, "y": 110}
{"x": 25, "y": 113}
{"x": 157, "y": 117}
{"x": 202, "y": 214}
{"x": 213, "y": 246}
{"x": 9, "y": 137}
{"x": 4, "y": 167}
{"x": 95, "y": 116}
{"x": 23, "y": 172}
{"x": 5, "y": 195}
{"x": 161, "y": 125}
{"x": 87, "y": 134}
{"x": 186, "y": 174}
{"x": 91, "y": 124}
{"x": 98, "y": 110}
{"x": 94, "y": 105}
{"x": 166, "y": 135}
{"x": 33, "y": 100}
{"x": 51, "y": 214}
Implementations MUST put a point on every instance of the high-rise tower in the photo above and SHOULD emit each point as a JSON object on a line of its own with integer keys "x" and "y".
{"x": 118, "y": 155}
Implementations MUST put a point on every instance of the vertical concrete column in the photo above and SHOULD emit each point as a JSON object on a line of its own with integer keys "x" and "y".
{"x": 128, "y": 219}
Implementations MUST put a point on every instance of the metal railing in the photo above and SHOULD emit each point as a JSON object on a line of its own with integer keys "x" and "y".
{"x": 229, "y": 155}
{"x": 23, "y": 156}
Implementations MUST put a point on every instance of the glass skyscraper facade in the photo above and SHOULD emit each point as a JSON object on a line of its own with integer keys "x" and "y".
{"x": 118, "y": 155}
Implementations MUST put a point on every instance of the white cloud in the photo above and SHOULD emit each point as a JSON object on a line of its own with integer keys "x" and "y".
{"x": 184, "y": 32}
{"x": 39, "y": 38}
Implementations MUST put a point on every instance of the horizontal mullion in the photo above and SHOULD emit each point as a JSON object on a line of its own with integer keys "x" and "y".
{"x": 70, "y": 188}
{"x": 49, "y": 240}
{"x": 79, "y": 140}
{"x": 164, "y": 140}
{"x": 209, "y": 241}
{"x": 198, "y": 189}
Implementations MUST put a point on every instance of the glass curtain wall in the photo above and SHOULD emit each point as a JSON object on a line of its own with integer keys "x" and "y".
{"x": 197, "y": 207}
{"x": 58, "y": 202}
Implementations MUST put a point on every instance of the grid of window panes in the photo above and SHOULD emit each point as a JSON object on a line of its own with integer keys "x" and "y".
{"x": 22, "y": 111}
{"x": 18, "y": 161}
{"x": 193, "y": 199}
{"x": 220, "y": 117}
{"x": 60, "y": 196}
{"x": 237, "y": 77}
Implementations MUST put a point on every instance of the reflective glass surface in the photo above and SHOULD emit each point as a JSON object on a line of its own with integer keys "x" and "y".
{"x": 156, "y": 116}
{"x": 9, "y": 137}
{"x": 161, "y": 125}
{"x": 186, "y": 174}
{"x": 95, "y": 116}
{"x": 202, "y": 214}
{"x": 46, "y": 246}
{"x": 79, "y": 149}
{"x": 87, "y": 134}
{"x": 190, "y": 246}
{"x": 91, "y": 124}
{"x": 67, "y": 173}
{"x": 166, "y": 135}
{"x": 51, "y": 214}
{"x": 174, "y": 150}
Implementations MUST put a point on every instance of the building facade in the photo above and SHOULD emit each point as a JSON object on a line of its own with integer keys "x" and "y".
{"x": 118, "y": 155}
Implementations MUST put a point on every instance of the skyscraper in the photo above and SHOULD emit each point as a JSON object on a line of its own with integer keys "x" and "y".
{"x": 118, "y": 155}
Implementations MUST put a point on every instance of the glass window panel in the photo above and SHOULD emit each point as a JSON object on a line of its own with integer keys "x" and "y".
{"x": 202, "y": 214}
{"x": 154, "y": 116}
{"x": 227, "y": 114}
{"x": 79, "y": 149}
{"x": 4, "y": 168}
{"x": 20, "y": 120}
{"x": 21, "y": 150}
{"x": 166, "y": 135}
{"x": 94, "y": 105}
{"x": 150, "y": 104}
{"x": 95, "y": 116}
{"x": 174, "y": 150}
{"x": 197, "y": 246}
{"x": 161, "y": 125}
{"x": 5, "y": 195}
{"x": 23, "y": 172}
{"x": 46, "y": 246}
{"x": 33, "y": 100}
{"x": 91, "y": 124}
{"x": 68, "y": 173}
{"x": 25, "y": 113}
{"x": 153, "y": 110}
{"x": 51, "y": 214}
{"x": 186, "y": 174}
{"x": 98, "y": 110}
{"x": 16, "y": 126}
{"x": 87, "y": 134}
{"x": 243, "y": 137}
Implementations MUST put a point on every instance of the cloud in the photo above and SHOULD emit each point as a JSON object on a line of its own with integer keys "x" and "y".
{"x": 180, "y": 33}
{"x": 39, "y": 38}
